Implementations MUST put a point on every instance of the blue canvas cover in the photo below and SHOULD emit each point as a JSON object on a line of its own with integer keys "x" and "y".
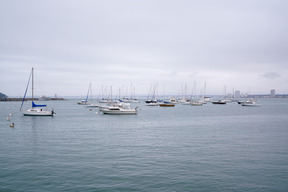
{"x": 34, "y": 105}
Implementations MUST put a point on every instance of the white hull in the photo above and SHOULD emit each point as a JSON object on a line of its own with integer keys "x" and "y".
{"x": 152, "y": 104}
{"x": 82, "y": 103}
{"x": 251, "y": 105}
{"x": 119, "y": 111}
{"x": 92, "y": 105}
{"x": 37, "y": 112}
{"x": 196, "y": 104}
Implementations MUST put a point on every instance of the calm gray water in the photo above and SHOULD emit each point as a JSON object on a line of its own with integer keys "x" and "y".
{"x": 185, "y": 148}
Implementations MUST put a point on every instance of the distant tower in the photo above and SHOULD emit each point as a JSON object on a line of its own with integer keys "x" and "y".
{"x": 272, "y": 93}
{"x": 237, "y": 94}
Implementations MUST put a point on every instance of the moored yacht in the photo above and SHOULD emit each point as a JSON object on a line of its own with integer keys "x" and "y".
{"x": 219, "y": 102}
{"x": 251, "y": 103}
{"x": 119, "y": 109}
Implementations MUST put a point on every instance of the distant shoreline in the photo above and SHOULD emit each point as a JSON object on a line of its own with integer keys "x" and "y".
{"x": 280, "y": 96}
{"x": 29, "y": 99}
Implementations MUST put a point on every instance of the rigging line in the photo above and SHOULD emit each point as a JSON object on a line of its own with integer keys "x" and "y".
{"x": 25, "y": 91}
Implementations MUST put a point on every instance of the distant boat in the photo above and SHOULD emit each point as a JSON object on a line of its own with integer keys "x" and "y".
{"x": 167, "y": 105}
{"x": 207, "y": 99}
{"x": 251, "y": 103}
{"x": 152, "y": 99}
{"x": 152, "y": 104}
{"x": 132, "y": 98}
{"x": 36, "y": 110}
{"x": 91, "y": 105}
{"x": 196, "y": 103}
{"x": 221, "y": 102}
{"x": 119, "y": 109}
{"x": 85, "y": 101}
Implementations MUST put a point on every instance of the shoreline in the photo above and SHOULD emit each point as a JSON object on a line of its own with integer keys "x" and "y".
{"x": 30, "y": 99}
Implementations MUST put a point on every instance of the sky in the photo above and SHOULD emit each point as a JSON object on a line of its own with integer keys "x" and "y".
{"x": 177, "y": 45}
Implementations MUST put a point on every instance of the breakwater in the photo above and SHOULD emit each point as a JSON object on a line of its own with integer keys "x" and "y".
{"x": 28, "y": 99}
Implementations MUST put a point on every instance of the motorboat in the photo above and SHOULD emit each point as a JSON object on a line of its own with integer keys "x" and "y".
{"x": 221, "y": 102}
{"x": 119, "y": 109}
{"x": 251, "y": 104}
{"x": 196, "y": 103}
{"x": 207, "y": 99}
{"x": 152, "y": 104}
{"x": 167, "y": 105}
{"x": 92, "y": 105}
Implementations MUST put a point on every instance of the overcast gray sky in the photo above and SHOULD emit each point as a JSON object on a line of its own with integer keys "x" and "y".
{"x": 70, "y": 43}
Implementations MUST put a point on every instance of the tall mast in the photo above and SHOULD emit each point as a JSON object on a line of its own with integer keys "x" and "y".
{"x": 32, "y": 84}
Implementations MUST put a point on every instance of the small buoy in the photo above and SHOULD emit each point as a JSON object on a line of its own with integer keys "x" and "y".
{"x": 8, "y": 119}
{"x": 10, "y": 114}
{"x": 96, "y": 112}
{"x": 11, "y": 125}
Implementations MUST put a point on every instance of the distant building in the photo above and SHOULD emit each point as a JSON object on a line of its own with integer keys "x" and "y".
{"x": 272, "y": 93}
{"x": 237, "y": 94}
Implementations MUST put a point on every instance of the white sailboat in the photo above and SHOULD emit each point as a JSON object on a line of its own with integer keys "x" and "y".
{"x": 36, "y": 110}
{"x": 85, "y": 101}
{"x": 90, "y": 105}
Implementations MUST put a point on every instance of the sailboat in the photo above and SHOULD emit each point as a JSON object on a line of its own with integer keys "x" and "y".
{"x": 90, "y": 105}
{"x": 36, "y": 110}
{"x": 85, "y": 101}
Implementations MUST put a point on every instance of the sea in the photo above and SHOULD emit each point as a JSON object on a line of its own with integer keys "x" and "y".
{"x": 161, "y": 149}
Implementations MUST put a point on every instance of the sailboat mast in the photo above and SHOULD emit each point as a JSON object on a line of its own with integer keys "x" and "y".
{"x": 91, "y": 92}
{"x": 32, "y": 84}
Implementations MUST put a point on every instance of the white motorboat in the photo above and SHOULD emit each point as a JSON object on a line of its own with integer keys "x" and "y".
{"x": 207, "y": 99}
{"x": 92, "y": 105}
{"x": 152, "y": 104}
{"x": 36, "y": 110}
{"x": 196, "y": 103}
{"x": 119, "y": 109}
{"x": 251, "y": 103}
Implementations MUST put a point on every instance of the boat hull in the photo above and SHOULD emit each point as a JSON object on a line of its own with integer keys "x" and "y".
{"x": 110, "y": 112}
{"x": 251, "y": 105}
{"x": 152, "y": 104}
{"x": 196, "y": 104}
{"x": 220, "y": 102}
{"x": 166, "y": 105}
{"x": 37, "y": 112}
{"x": 46, "y": 113}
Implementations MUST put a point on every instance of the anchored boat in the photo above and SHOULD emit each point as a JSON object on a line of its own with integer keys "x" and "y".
{"x": 36, "y": 110}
